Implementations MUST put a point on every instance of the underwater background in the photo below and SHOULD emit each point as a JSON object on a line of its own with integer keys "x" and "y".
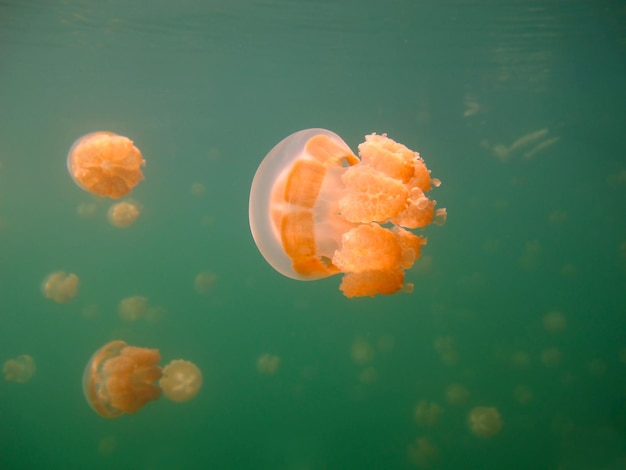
{"x": 519, "y": 300}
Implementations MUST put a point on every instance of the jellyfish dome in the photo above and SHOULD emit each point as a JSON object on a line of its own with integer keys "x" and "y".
{"x": 120, "y": 379}
{"x": 105, "y": 164}
{"x": 317, "y": 210}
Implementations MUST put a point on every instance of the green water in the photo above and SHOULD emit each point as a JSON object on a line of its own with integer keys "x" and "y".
{"x": 205, "y": 90}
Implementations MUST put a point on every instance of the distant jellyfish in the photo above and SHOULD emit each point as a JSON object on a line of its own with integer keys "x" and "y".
{"x": 427, "y": 413}
{"x": 21, "y": 369}
{"x": 317, "y": 210}
{"x": 198, "y": 190}
{"x": 123, "y": 214}
{"x": 484, "y": 421}
{"x": 368, "y": 375}
{"x": 121, "y": 379}
{"x": 267, "y": 364}
{"x": 457, "y": 394}
{"x": 554, "y": 322}
{"x": 86, "y": 209}
{"x": 204, "y": 282}
{"x": 523, "y": 394}
{"x": 181, "y": 381}
{"x": 551, "y": 357}
{"x": 422, "y": 452}
{"x": 133, "y": 308}
{"x": 105, "y": 164}
{"x": 361, "y": 351}
{"x": 60, "y": 287}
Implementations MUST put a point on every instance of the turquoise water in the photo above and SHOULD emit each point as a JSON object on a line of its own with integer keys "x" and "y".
{"x": 516, "y": 106}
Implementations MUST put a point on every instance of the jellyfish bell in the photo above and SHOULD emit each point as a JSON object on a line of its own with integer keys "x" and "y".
{"x": 20, "y": 370}
{"x": 317, "y": 210}
{"x": 123, "y": 214}
{"x": 60, "y": 287}
{"x": 120, "y": 379}
{"x": 181, "y": 380}
{"x": 105, "y": 164}
{"x": 484, "y": 421}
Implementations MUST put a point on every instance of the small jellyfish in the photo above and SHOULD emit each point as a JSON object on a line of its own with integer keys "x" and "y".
{"x": 133, "y": 308}
{"x": 204, "y": 282}
{"x": 427, "y": 413}
{"x": 457, "y": 394}
{"x": 123, "y": 214}
{"x": 60, "y": 287}
{"x": 120, "y": 379}
{"x": 554, "y": 322}
{"x": 317, "y": 210}
{"x": 21, "y": 369}
{"x": 105, "y": 164}
{"x": 267, "y": 364}
{"x": 181, "y": 380}
{"x": 484, "y": 421}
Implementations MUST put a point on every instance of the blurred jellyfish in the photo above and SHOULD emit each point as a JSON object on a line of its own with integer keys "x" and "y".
{"x": 316, "y": 210}
{"x": 554, "y": 322}
{"x": 105, "y": 164}
{"x": 86, "y": 209}
{"x": 204, "y": 282}
{"x": 520, "y": 360}
{"x": 107, "y": 445}
{"x": 551, "y": 357}
{"x": 484, "y": 421}
{"x": 181, "y": 380}
{"x": 522, "y": 394}
{"x": 446, "y": 348}
{"x": 361, "y": 351}
{"x": 457, "y": 394}
{"x": 198, "y": 189}
{"x": 133, "y": 308}
{"x": 60, "y": 287}
{"x": 267, "y": 364}
{"x": 368, "y": 375}
{"x": 422, "y": 452}
{"x": 21, "y": 369}
{"x": 427, "y": 413}
{"x": 120, "y": 379}
{"x": 123, "y": 214}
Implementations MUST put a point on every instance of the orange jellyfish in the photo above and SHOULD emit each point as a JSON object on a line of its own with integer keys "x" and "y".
{"x": 105, "y": 164}
{"x": 121, "y": 379}
{"x": 60, "y": 287}
{"x": 484, "y": 421}
{"x": 21, "y": 369}
{"x": 123, "y": 214}
{"x": 317, "y": 210}
{"x": 181, "y": 380}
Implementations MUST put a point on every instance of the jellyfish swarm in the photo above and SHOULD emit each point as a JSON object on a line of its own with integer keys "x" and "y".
{"x": 317, "y": 210}
{"x": 121, "y": 379}
{"x": 105, "y": 164}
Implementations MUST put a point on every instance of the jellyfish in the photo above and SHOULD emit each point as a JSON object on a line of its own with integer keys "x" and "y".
{"x": 105, "y": 164}
{"x": 484, "y": 421}
{"x": 181, "y": 380}
{"x": 121, "y": 379}
{"x": 204, "y": 282}
{"x": 123, "y": 214}
{"x": 317, "y": 210}
{"x": 133, "y": 308}
{"x": 427, "y": 413}
{"x": 21, "y": 369}
{"x": 60, "y": 287}
{"x": 267, "y": 364}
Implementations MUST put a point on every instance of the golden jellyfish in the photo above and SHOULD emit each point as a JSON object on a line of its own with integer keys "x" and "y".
{"x": 123, "y": 214}
{"x": 457, "y": 394}
{"x": 484, "y": 421}
{"x": 105, "y": 164}
{"x": 121, "y": 379}
{"x": 427, "y": 413}
{"x": 317, "y": 210}
{"x": 181, "y": 380}
{"x": 204, "y": 282}
{"x": 21, "y": 369}
{"x": 422, "y": 452}
{"x": 554, "y": 322}
{"x": 60, "y": 287}
{"x": 268, "y": 364}
{"x": 133, "y": 308}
